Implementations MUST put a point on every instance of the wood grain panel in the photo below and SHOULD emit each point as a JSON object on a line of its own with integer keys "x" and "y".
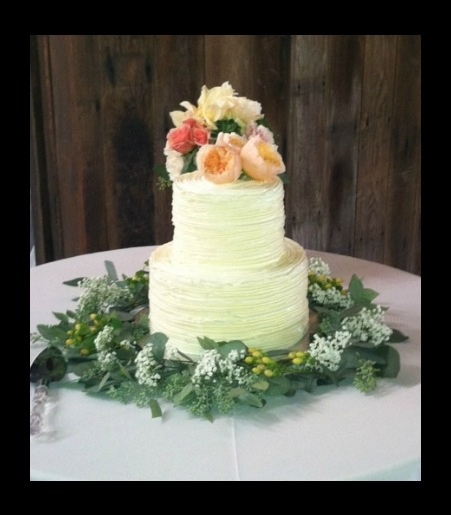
{"x": 177, "y": 75}
{"x": 345, "y": 111}
{"x": 402, "y": 233}
{"x": 257, "y": 67}
{"x": 306, "y": 215}
{"x": 79, "y": 157}
{"x": 374, "y": 146}
{"x": 344, "y": 85}
{"x": 126, "y": 105}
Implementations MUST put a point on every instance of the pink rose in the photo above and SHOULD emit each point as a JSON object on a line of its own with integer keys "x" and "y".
{"x": 200, "y": 135}
{"x": 179, "y": 139}
{"x": 185, "y": 137}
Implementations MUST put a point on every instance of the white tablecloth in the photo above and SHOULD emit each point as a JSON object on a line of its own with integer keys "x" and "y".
{"x": 332, "y": 434}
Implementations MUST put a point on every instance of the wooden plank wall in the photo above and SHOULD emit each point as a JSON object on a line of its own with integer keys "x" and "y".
{"x": 345, "y": 109}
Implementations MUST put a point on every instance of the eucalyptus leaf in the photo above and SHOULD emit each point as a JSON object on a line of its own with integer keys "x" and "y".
{"x": 103, "y": 382}
{"x": 278, "y": 385}
{"x": 80, "y": 367}
{"x": 225, "y": 347}
{"x": 207, "y": 343}
{"x": 183, "y": 394}
{"x": 351, "y": 311}
{"x": 251, "y": 399}
{"x": 123, "y": 316}
{"x": 74, "y": 282}
{"x": 111, "y": 270}
{"x": 51, "y": 332}
{"x": 155, "y": 408}
{"x": 397, "y": 337}
{"x": 393, "y": 363}
{"x": 260, "y": 385}
{"x": 237, "y": 392}
{"x": 359, "y": 294}
{"x": 158, "y": 341}
{"x": 61, "y": 316}
{"x": 306, "y": 383}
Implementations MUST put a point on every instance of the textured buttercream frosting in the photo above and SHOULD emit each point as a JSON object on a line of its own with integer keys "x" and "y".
{"x": 238, "y": 224}
{"x": 229, "y": 273}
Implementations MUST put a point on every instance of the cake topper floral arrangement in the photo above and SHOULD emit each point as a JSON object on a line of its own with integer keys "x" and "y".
{"x": 108, "y": 348}
{"x": 224, "y": 137}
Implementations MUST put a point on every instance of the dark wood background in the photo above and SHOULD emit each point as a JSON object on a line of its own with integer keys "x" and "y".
{"x": 345, "y": 109}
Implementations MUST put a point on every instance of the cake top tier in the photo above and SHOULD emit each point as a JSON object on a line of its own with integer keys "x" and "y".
{"x": 224, "y": 137}
{"x": 233, "y": 225}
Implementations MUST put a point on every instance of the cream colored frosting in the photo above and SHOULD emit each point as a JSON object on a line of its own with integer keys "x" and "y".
{"x": 238, "y": 224}
{"x": 229, "y": 273}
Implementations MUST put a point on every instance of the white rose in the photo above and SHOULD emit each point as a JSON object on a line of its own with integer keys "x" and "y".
{"x": 174, "y": 162}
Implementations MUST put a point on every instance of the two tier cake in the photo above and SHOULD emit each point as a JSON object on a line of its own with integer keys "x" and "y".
{"x": 229, "y": 273}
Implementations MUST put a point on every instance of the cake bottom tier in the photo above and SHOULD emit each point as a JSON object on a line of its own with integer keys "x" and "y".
{"x": 265, "y": 308}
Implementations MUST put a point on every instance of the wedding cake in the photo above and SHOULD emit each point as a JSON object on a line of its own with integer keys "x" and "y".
{"x": 229, "y": 273}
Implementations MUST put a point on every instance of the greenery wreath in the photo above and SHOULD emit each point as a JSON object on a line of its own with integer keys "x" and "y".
{"x": 108, "y": 347}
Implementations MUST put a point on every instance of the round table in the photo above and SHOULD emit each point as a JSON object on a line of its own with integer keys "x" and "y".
{"x": 334, "y": 434}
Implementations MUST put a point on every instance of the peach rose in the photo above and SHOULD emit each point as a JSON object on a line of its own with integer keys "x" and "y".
{"x": 261, "y": 160}
{"x": 254, "y": 129}
{"x": 231, "y": 139}
{"x": 219, "y": 164}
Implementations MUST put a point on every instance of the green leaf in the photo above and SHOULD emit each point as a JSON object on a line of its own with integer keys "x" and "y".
{"x": 161, "y": 171}
{"x": 251, "y": 399}
{"x": 158, "y": 341}
{"x": 260, "y": 385}
{"x": 71, "y": 314}
{"x": 111, "y": 270}
{"x": 284, "y": 178}
{"x": 190, "y": 162}
{"x": 237, "y": 392}
{"x": 123, "y": 316}
{"x": 207, "y": 343}
{"x": 393, "y": 363}
{"x": 103, "y": 381}
{"x": 61, "y": 316}
{"x": 306, "y": 383}
{"x": 155, "y": 408}
{"x": 351, "y": 356}
{"x": 359, "y": 294}
{"x": 51, "y": 332}
{"x": 278, "y": 385}
{"x": 74, "y": 282}
{"x": 183, "y": 394}
{"x": 226, "y": 125}
{"x": 351, "y": 311}
{"x": 397, "y": 337}
{"x": 80, "y": 367}
{"x": 225, "y": 347}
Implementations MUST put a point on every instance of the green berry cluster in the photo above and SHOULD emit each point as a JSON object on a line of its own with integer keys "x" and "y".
{"x": 325, "y": 282}
{"x": 297, "y": 358}
{"x": 83, "y": 333}
{"x": 261, "y": 363}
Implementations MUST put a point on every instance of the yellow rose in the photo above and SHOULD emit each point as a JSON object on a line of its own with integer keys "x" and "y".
{"x": 245, "y": 111}
{"x": 261, "y": 160}
{"x": 215, "y": 104}
{"x": 219, "y": 164}
{"x": 218, "y": 103}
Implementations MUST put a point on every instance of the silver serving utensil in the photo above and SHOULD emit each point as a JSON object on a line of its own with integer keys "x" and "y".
{"x": 49, "y": 365}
